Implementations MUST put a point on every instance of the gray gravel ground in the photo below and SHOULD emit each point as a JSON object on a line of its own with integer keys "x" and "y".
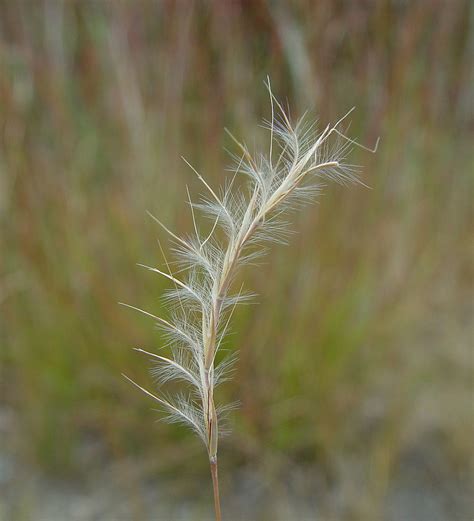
{"x": 419, "y": 492}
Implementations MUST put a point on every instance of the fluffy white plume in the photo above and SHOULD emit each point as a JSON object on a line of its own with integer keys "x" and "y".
{"x": 298, "y": 163}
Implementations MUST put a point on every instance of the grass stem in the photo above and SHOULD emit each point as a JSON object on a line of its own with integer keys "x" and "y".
{"x": 215, "y": 486}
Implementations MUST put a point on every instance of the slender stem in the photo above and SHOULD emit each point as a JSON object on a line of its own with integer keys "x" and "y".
{"x": 215, "y": 486}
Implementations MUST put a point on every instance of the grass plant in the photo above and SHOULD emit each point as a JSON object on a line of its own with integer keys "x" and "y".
{"x": 291, "y": 173}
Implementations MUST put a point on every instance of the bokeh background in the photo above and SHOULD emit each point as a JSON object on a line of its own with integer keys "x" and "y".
{"x": 355, "y": 374}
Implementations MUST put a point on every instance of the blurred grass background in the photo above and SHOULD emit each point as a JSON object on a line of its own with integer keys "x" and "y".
{"x": 360, "y": 344}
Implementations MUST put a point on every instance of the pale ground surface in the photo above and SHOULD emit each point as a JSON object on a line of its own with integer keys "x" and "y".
{"x": 425, "y": 488}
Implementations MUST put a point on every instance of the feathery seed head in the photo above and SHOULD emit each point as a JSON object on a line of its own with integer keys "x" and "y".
{"x": 299, "y": 161}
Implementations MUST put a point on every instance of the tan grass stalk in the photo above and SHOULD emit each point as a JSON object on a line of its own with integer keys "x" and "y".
{"x": 292, "y": 172}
